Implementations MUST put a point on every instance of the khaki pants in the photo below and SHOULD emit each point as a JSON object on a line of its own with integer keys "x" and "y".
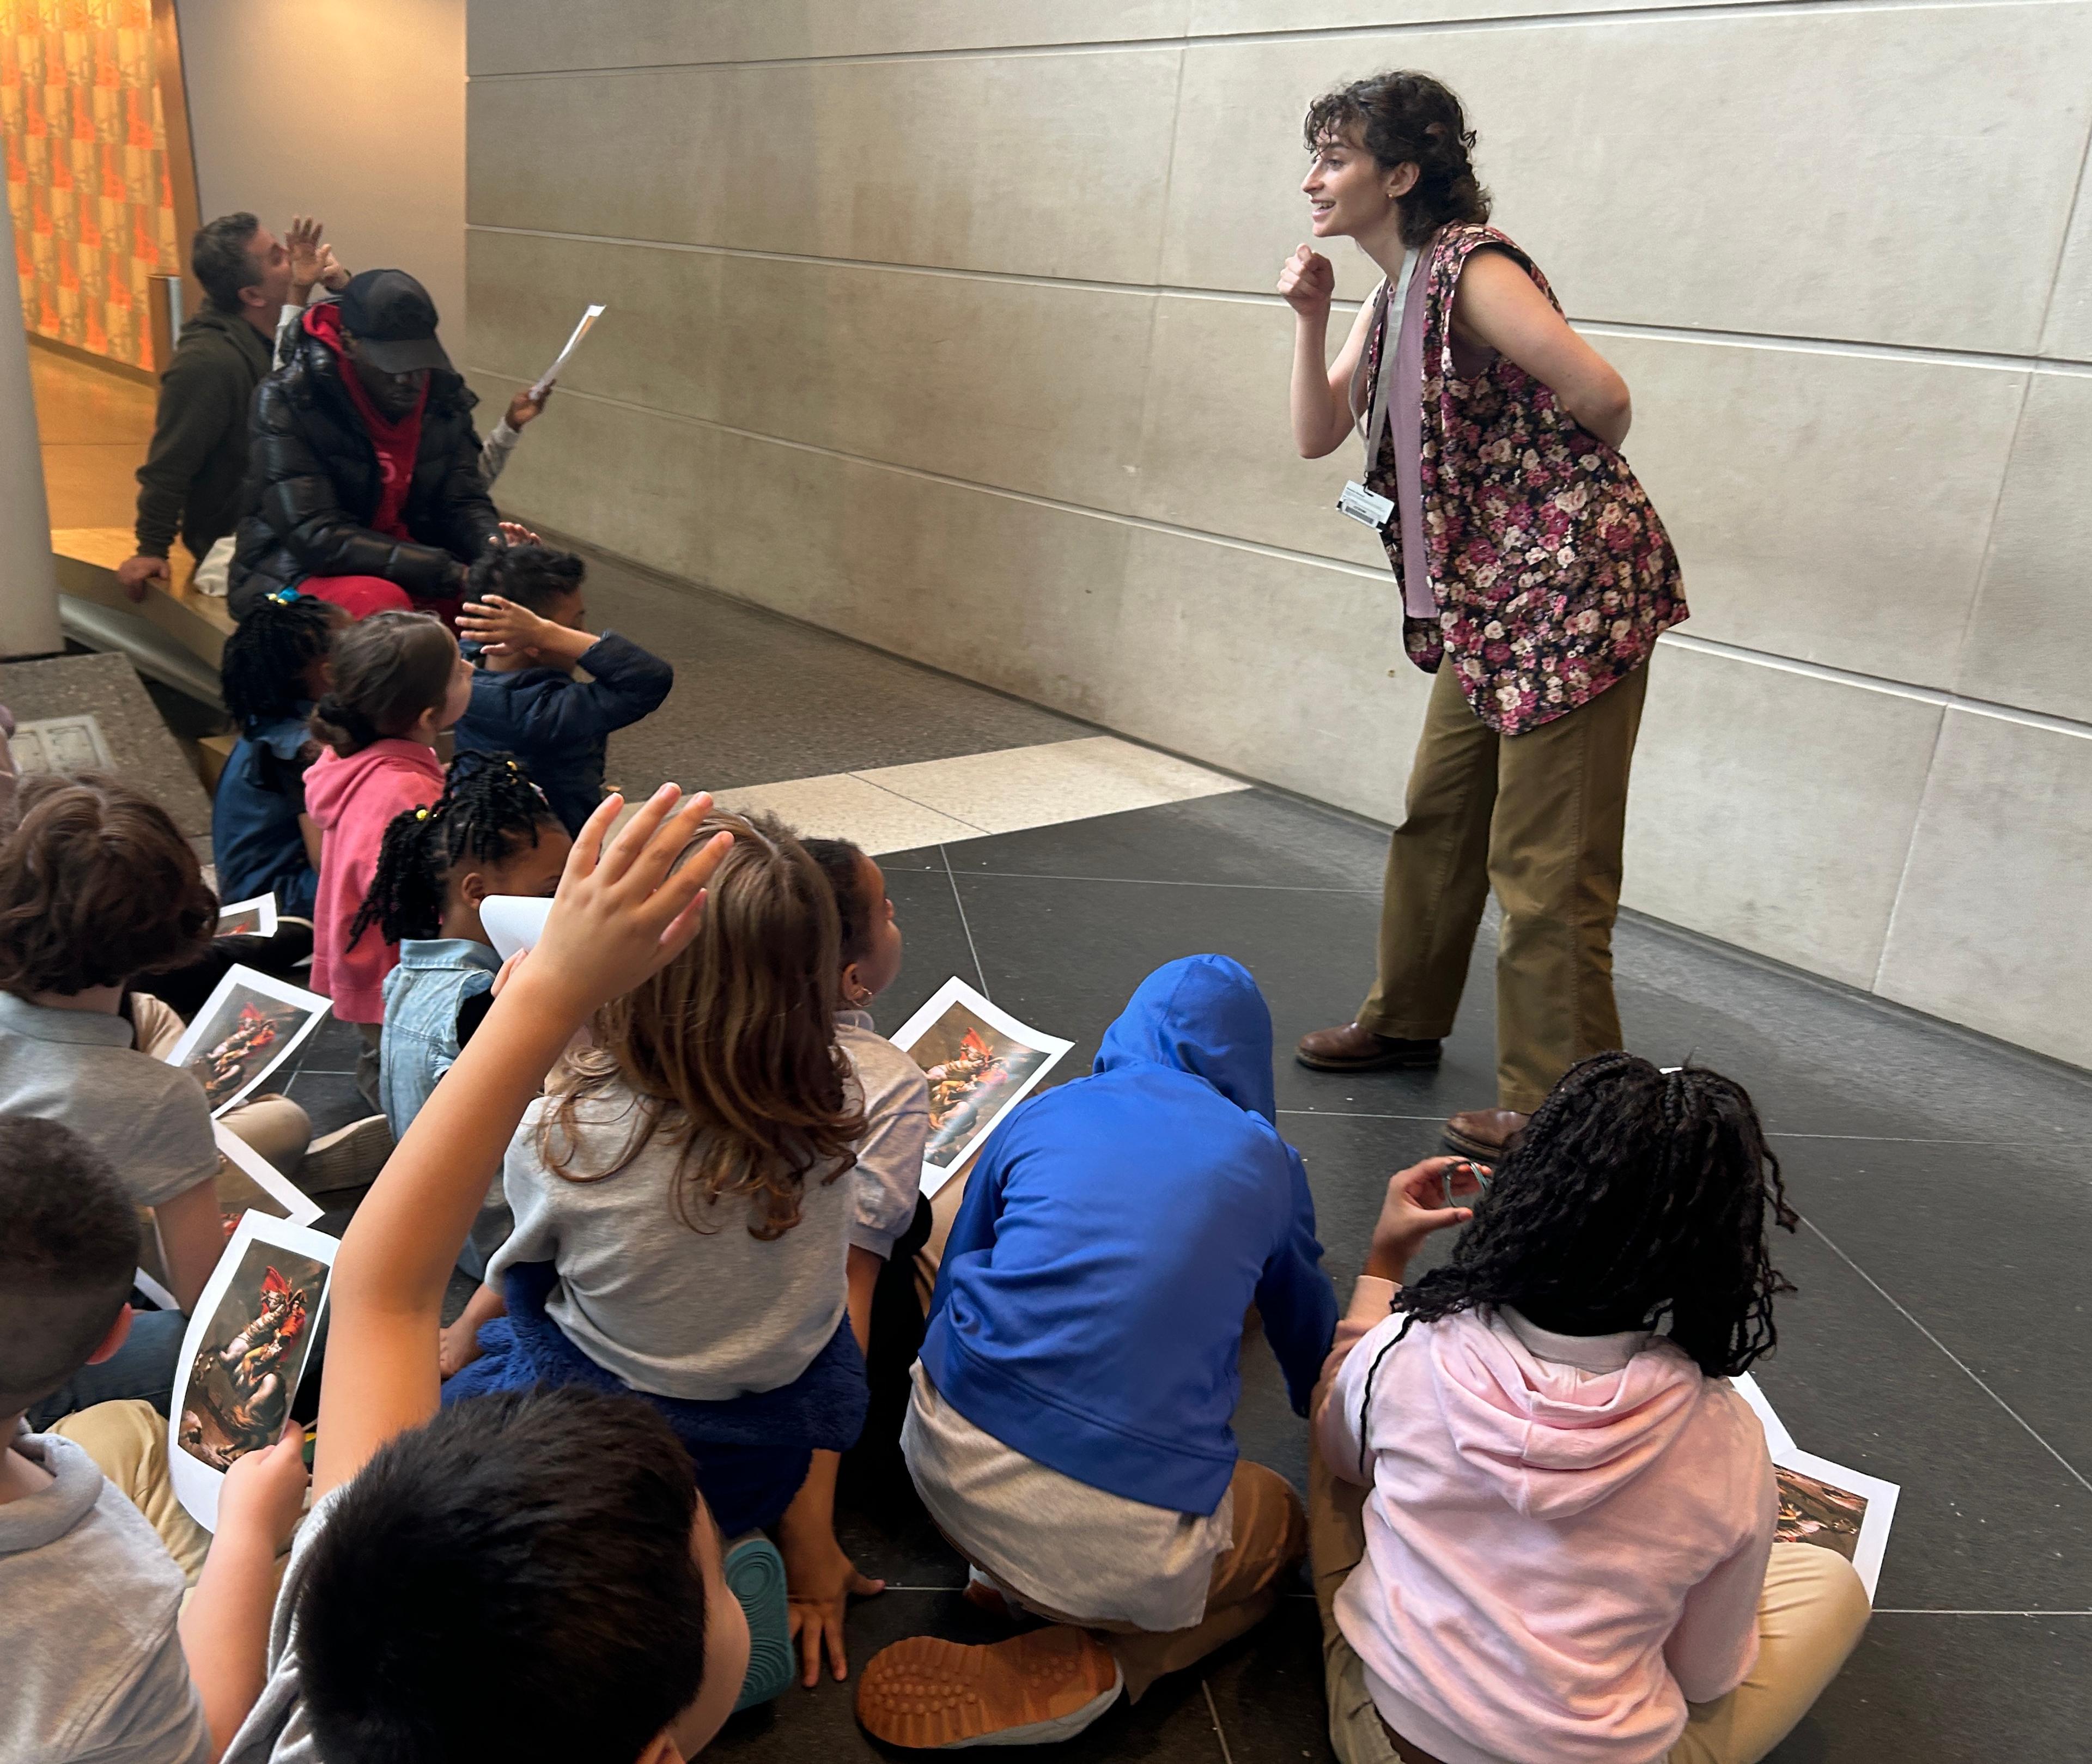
{"x": 1809, "y": 1619}
{"x": 274, "y": 1125}
{"x": 128, "y": 1443}
{"x": 1539, "y": 817}
{"x": 1270, "y": 1536}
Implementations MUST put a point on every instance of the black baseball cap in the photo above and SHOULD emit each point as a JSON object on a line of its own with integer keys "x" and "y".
{"x": 393, "y": 320}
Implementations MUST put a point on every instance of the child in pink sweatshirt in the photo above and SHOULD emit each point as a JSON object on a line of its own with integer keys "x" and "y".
{"x": 1543, "y": 1532}
{"x": 399, "y": 682}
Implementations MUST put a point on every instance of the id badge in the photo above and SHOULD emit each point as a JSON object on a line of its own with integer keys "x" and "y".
{"x": 1363, "y": 507}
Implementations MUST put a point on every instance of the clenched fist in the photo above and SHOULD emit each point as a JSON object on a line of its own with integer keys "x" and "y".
{"x": 1308, "y": 281}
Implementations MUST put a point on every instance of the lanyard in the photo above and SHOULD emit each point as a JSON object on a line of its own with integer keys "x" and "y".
{"x": 1389, "y": 335}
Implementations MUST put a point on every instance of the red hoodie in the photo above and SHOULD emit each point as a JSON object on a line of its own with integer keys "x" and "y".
{"x": 396, "y": 443}
{"x": 352, "y": 800}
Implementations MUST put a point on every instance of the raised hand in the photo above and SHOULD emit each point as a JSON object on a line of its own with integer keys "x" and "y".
{"x": 626, "y": 905}
{"x": 1308, "y": 281}
{"x": 523, "y": 406}
{"x": 303, "y": 243}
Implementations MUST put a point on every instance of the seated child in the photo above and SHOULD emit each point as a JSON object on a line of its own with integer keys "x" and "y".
{"x": 683, "y": 1208}
{"x": 399, "y": 682}
{"x": 528, "y": 1576}
{"x": 95, "y": 1668}
{"x": 524, "y": 601}
{"x": 489, "y": 832}
{"x": 274, "y": 666}
{"x": 1562, "y": 1521}
{"x": 99, "y": 891}
{"x": 1072, "y": 1427}
{"x": 892, "y": 1221}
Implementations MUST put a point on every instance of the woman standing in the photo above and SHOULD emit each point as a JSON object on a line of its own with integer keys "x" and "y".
{"x": 1535, "y": 579}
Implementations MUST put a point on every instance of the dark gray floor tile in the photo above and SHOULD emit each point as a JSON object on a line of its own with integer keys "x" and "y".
{"x": 1984, "y": 1246}
{"x": 1171, "y": 1725}
{"x": 1954, "y": 1690}
{"x": 1266, "y": 1689}
{"x": 1987, "y": 1519}
{"x": 330, "y": 1098}
{"x": 759, "y": 697}
{"x": 934, "y": 942}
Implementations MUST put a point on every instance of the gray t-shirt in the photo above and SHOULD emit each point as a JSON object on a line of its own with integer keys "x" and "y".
{"x": 275, "y": 1731}
{"x": 78, "y": 1067}
{"x": 91, "y": 1664}
{"x": 704, "y": 1315}
{"x": 888, "y": 1175}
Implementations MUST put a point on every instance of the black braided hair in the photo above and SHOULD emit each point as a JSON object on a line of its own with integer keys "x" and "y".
{"x": 1634, "y": 1195}
{"x": 261, "y": 673}
{"x": 490, "y": 810}
{"x": 838, "y": 860}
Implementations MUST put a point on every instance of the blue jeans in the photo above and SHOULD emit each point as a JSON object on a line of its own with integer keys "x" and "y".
{"x": 143, "y": 1366}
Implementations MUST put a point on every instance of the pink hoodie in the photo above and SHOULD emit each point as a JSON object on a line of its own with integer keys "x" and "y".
{"x": 352, "y": 800}
{"x": 1566, "y": 1537}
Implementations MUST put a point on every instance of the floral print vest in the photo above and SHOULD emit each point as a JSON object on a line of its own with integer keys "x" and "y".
{"x": 1551, "y": 573}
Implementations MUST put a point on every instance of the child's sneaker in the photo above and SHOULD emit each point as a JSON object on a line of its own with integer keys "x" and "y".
{"x": 755, "y": 1575}
{"x": 1044, "y": 1685}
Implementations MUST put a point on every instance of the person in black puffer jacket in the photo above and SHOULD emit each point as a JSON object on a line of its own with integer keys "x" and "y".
{"x": 364, "y": 487}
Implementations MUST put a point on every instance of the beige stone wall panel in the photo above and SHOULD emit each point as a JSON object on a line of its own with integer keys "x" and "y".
{"x": 1990, "y": 929}
{"x": 532, "y": 35}
{"x": 1831, "y": 507}
{"x": 2026, "y": 642}
{"x": 1032, "y": 165}
{"x": 1734, "y": 170}
{"x": 1773, "y": 809}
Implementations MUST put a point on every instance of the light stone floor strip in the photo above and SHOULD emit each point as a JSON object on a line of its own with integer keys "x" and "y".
{"x": 941, "y": 801}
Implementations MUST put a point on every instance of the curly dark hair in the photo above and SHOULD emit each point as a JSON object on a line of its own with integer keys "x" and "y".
{"x": 388, "y": 669}
{"x": 490, "y": 810}
{"x": 1635, "y": 1195}
{"x": 1406, "y": 118}
{"x": 261, "y": 673}
{"x": 839, "y": 860}
{"x": 97, "y": 887}
{"x": 533, "y": 576}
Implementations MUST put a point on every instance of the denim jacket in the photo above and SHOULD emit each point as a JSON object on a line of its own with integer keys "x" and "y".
{"x": 435, "y": 976}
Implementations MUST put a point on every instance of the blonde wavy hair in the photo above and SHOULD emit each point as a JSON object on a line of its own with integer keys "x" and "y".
{"x": 731, "y": 1048}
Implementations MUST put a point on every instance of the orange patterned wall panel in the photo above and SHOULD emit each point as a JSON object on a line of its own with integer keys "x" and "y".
{"x": 87, "y": 176}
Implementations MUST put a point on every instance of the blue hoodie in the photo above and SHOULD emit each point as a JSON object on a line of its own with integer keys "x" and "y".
{"x": 1089, "y": 1310}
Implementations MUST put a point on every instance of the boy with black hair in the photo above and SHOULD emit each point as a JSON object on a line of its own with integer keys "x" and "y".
{"x": 524, "y": 1577}
{"x": 88, "y": 1595}
{"x": 523, "y": 602}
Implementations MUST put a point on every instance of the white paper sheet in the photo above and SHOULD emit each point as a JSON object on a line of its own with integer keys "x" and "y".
{"x": 256, "y": 918}
{"x": 982, "y": 1062}
{"x": 245, "y": 1001}
{"x": 1826, "y": 1503}
{"x": 587, "y": 324}
{"x": 243, "y": 1354}
{"x": 296, "y": 1205}
{"x": 514, "y": 921}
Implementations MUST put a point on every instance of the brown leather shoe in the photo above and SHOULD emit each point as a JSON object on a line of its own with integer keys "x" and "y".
{"x": 1353, "y": 1050}
{"x": 1485, "y": 1134}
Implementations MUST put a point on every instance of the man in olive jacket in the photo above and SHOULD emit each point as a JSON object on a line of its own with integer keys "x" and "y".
{"x": 191, "y": 482}
{"x": 365, "y": 469}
